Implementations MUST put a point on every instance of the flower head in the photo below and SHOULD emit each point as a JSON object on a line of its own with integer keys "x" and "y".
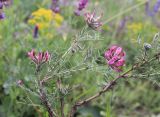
{"x": 39, "y": 58}
{"x": 93, "y": 21}
{"x": 115, "y": 57}
{"x": 81, "y": 5}
{"x": 45, "y": 18}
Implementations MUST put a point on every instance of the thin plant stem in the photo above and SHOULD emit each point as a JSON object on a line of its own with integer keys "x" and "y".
{"x": 126, "y": 11}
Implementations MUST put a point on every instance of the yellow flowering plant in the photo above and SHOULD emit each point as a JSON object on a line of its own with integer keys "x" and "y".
{"x": 135, "y": 27}
{"x": 45, "y": 19}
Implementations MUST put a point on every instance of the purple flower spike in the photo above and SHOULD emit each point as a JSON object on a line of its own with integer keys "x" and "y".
{"x": 55, "y": 6}
{"x": 155, "y": 9}
{"x": 156, "y": 6}
{"x": 82, "y": 4}
{"x": 35, "y": 32}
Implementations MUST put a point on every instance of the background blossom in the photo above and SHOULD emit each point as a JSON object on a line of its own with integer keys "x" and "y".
{"x": 44, "y": 18}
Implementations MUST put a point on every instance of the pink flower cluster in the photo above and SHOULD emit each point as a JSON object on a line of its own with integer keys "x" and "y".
{"x": 39, "y": 58}
{"x": 115, "y": 57}
{"x": 93, "y": 21}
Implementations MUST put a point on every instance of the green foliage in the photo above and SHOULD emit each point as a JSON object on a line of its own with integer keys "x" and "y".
{"x": 138, "y": 95}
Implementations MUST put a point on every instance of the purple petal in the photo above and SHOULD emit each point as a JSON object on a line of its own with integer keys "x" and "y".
{"x": 120, "y": 62}
{"x": 113, "y": 60}
{"x": 118, "y": 51}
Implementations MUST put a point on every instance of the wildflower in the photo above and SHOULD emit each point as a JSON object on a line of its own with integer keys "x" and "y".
{"x": 135, "y": 27}
{"x": 156, "y": 8}
{"x": 2, "y": 15}
{"x": 1, "y": 5}
{"x": 35, "y": 32}
{"x": 93, "y": 21}
{"x": 39, "y": 58}
{"x": 44, "y": 18}
{"x": 115, "y": 57}
{"x": 55, "y": 7}
{"x": 81, "y": 5}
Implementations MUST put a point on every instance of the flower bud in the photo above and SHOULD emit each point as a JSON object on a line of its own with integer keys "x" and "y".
{"x": 147, "y": 46}
{"x": 19, "y": 82}
{"x": 93, "y": 21}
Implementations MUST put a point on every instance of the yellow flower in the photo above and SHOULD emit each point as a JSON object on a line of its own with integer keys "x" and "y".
{"x": 135, "y": 27}
{"x": 45, "y": 18}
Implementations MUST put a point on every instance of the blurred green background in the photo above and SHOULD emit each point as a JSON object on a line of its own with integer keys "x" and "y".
{"x": 130, "y": 98}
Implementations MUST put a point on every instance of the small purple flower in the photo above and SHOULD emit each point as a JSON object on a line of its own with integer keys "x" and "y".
{"x": 81, "y": 5}
{"x": 4, "y": 3}
{"x": 2, "y": 16}
{"x": 156, "y": 6}
{"x": 55, "y": 6}
{"x": 35, "y": 32}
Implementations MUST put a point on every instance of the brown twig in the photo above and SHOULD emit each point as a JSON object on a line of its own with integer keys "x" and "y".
{"x": 108, "y": 86}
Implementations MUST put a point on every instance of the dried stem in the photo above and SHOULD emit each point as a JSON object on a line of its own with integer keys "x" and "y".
{"x": 62, "y": 106}
{"x": 45, "y": 101}
{"x": 108, "y": 86}
{"x": 59, "y": 86}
